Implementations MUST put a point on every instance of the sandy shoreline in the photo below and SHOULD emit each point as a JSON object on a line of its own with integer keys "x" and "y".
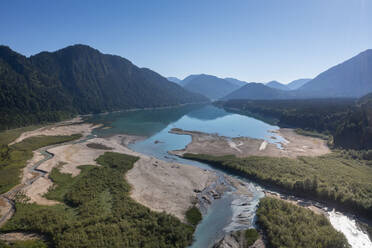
{"x": 213, "y": 144}
{"x": 159, "y": 185}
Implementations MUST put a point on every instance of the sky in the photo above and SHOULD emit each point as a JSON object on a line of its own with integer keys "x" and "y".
{"x": 251, "y": 40}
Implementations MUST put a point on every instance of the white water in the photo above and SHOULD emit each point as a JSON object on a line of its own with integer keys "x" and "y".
{"x": 356, "y": 237}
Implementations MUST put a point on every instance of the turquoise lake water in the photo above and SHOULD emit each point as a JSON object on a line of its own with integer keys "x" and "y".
{"x": 155, "y": 126}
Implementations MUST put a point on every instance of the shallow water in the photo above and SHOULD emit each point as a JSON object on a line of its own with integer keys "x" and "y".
{"x": 230, "y": 212}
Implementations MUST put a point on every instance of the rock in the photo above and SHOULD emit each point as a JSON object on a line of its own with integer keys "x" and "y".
{"x": 228, "y": 241}
{"x": 206, "y": 198}
{"x": 237, "y": 240}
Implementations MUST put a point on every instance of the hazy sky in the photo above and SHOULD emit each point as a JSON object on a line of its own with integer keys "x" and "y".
{"x": 258, "y": 40}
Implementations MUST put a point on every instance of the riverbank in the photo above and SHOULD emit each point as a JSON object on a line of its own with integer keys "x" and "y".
{"x": 293, "y": 145}
{"x": 159, "y": 185}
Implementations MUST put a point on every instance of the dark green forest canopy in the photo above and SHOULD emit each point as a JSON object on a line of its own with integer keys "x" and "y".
{"x": 349, "y": 121}
{"x": 334, "y": 178}
{"x": 287, "y": 225}
{"x": 78, "y": 79}
{"x": 98, "y": 212}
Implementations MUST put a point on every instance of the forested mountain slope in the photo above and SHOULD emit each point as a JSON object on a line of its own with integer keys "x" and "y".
{"x": 78, "y": 79}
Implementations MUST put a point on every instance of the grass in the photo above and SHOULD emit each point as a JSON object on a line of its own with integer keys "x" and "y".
{"x": 14, "y": 158}
{"x": 97, "y": 211}
{"x": 193, "y": 216}
{"x": 9, "y": 136}
{"x": 331, "y": 177}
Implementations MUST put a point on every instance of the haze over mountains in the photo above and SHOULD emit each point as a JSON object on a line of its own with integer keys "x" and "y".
{"x": 352, "y": 79}
{"x": 277, "y": 85}
{"x": 51, "y": 86}
{"x": 294, "y": 85}
{"x": 210, "y": 86}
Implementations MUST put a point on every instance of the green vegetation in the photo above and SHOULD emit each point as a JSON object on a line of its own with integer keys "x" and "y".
{"x": 13, "y": 158}
{"x": 64, "y": 182}
{"x": 314, "y": 134}
{"x": 24, "y": 244}
{"x": 250, "y": 236}
{"x": 50, "y": 87}
{"x": 347, "y": 120}
{"x": 287, "y": 225}
{"x": 98, "y": 146}
{"x": 193, "y": 216}
{"x": 8, "y": 136}
{"x": 333, "y": 177}
{"x": 98, "y": 212}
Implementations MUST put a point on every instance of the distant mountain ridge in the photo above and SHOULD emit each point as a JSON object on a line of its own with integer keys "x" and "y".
{"x": 210, "y": 86}
{"x": 174, "y": 80}
{"x": 78, "y": 79}
{"x": 294, "y": 85}
{"x": 352, "y": 78}
{"x": 277, "y": 85}
{"x": 236, "y": 81}
{"x": 257, "y": 91}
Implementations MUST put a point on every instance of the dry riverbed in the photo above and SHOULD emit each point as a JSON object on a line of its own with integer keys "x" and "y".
{"x": 159, "y": 185}
{"x": 212, "y": 144}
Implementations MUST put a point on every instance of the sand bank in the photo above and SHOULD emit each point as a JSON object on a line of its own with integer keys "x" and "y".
{"x": 70, "y": 127}
{"x": 213, "y": 144}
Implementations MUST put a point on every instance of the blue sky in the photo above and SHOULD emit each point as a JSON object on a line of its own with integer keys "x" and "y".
{"x": 252, "y": 40}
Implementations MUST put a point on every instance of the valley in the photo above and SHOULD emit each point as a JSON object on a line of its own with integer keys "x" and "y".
{"x": 159, "y": 180}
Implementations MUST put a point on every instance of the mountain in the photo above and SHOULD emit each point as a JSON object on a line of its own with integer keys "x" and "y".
{"x": 236, "y": 81}
{"x": 209, "y": 86}
{"x": 257, "y": 91}
{"x": 174, "y": 80}
{"x": 78, "y": 79}
{"x": 352, "y": 78}
{"x": 294, "y": 85}
{"x": 188, "y": 79}
{"x": 277, "y": 85}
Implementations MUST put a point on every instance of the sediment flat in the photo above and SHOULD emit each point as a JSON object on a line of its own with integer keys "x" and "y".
{"x": 159, "y": 185}
{"x": 294, "y": 145}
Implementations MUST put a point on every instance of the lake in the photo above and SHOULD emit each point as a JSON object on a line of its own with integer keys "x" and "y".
{"x": 222, "y": 215}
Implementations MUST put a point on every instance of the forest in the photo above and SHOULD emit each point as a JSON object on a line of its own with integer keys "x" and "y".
{"x": 347, "y": 121}
{"x": 334, "y": 178}
{"x": 287, "y": 225}
{"x": 50, "y": 87}
{"x": 97, "y": 211}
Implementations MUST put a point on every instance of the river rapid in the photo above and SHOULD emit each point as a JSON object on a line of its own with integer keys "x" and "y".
{"x": 231, "y": 212}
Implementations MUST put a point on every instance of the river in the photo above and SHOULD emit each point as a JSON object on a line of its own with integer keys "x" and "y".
{"x": 230, "y": 212}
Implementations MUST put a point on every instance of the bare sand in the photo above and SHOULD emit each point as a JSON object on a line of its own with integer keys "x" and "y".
{"x": 19, "y": 236}
{"x": 157, "y": 184}
{"x": 4, "y": 207}
{"x": 213, "y": 144}
{"x": 169, "y": 187}
{"x": 70, "y": 127}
